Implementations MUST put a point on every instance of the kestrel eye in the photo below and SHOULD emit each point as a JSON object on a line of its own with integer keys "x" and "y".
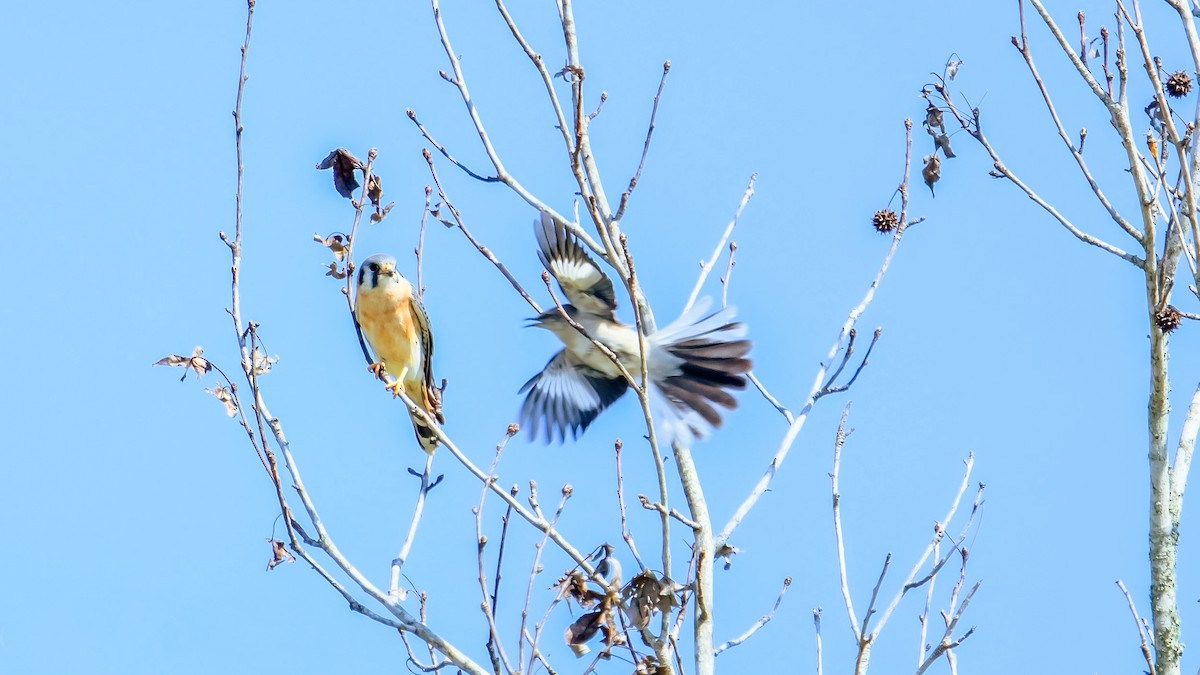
{"x": 374, "y": 267}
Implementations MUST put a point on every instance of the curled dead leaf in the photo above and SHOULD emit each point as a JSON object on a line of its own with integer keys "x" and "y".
{"x": 336, "y": 243}
{"x": 932, "y": 172}
{"x": 574, "y": 586}
{"x": 336, "y": 272}
{"x": 343, "y": 164}
{"x": 646, "y": 594}
{"x": 943, "y": 143}
{"x": 584, "y": 629}
{"x": 196, "y": 362}
{"x": 952, "y": 66}
{"x": 375, "y": 190}
{"x": 262, "y": 362}
{"x": 380, "y": 214}
{"x": 279, "y": 554}
{"x": 224, "y": 396}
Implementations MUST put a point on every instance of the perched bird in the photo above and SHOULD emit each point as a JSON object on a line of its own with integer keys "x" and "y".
{"x": 395, "y": 326}
{"x": 690, "y": 363}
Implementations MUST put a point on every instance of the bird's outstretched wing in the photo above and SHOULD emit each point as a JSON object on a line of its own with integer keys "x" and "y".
{"x": 567, "y": 396}
{"x": 580, "y": 278}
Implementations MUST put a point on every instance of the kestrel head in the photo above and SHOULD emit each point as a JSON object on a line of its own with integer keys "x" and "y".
{"x": 377, "y": 270}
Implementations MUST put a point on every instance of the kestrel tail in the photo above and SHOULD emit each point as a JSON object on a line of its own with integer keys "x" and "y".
{"x": 691, "y": 363}
{"x": 394, "y": 324}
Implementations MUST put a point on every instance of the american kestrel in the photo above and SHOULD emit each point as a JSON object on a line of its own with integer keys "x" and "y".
{"x": 394, "y": 324}
{"x": 691, "y": 363}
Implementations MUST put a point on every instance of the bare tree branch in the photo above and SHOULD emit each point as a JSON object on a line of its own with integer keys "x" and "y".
{"x": 706, "y": 268}
{"x": 1138, "y": 623}
{"x": 799, "y": 419}
{"x": 762, "y": 621}
{"x": 645, "y": 146}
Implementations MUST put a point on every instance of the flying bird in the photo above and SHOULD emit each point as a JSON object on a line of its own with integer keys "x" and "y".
{"x": 691, "y": 363}
{"x": 394, "y": 323}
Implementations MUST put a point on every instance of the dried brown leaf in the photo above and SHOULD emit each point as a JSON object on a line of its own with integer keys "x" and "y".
{"x": 574, "y": 586}
{"x": 375, "y": 190}
{"x": 336, "y": 243}
{"x": 224, "y": 396}
{"x": 943, "y": 142}
{"x": 380, "y": 214}
{"x": 343, "y": 164}
{"x": 262, "y": 362}
{"x": 646, "y": 594}
{"x": 335, "y": 271}
{"x": 196, "y": 362}
{"x": 279, "y": 554}
{"x": 584, "y": 629}
{"x": 952, "y": 67}
{"x": 932, "y": 171}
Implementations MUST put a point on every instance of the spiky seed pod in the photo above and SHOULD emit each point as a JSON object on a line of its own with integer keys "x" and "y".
{"x": 885, "y": 220}
{"x": 1168, "y": 318}
{"x": 1179, "y": 84}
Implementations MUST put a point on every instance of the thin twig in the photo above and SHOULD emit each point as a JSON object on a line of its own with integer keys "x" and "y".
{"x": 487, "y": 253}
{"x": 762, "y": 621}
{"x": 798, "y": 420}
{"x": 787, "y": 414}
{"x": 939, "y": 532}
{"x": 887, "y": 561}
{"x": 494, "y": 646}
{"x": 831, "y": 388}
{"x": 502, "y": 175}
{"x": 923, "y": 619}
{"x": 706, "y": 268}
{"x": 1138, "y": 623}
{"x": 534, "y": 570}
{"x": 626, "y": 534}
{"x": 645, "y": 146}
{"x": 446, "y": 153}
{"x": 394, "y": 590}
{"x": 728, "y": 276}
{"x": 817, "y": 628}
{"x": 947, "y": 643}
{"x": 1076, "y": 153}
{"x": 419, "y": 251}
{"x": 837, "y": 523}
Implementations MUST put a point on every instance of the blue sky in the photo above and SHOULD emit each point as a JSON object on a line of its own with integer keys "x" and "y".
{"x": 137, "y": 514}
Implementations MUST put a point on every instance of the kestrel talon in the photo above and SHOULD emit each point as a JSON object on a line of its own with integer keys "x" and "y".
{"x": 394, "y": 324}
{"x": 691, "y": 363}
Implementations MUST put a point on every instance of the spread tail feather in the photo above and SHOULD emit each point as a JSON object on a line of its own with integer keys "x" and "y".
{"x": 707, "y": 357}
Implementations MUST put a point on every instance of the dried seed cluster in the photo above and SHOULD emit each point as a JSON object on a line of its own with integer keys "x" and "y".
{"x": 1179, "y": 84}
{"x": 885, "y": 220}
{"x": 1168, "y": 318}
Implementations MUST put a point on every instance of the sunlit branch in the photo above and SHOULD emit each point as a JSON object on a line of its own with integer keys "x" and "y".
{"x": 798, "y": 420}
{"x": 645, "y": 146}
{"x": 706, "y": 268}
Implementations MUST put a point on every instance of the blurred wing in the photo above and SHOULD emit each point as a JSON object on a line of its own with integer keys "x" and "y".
{"x": 566, "y": 396}
{"x": 580, "y": 278}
